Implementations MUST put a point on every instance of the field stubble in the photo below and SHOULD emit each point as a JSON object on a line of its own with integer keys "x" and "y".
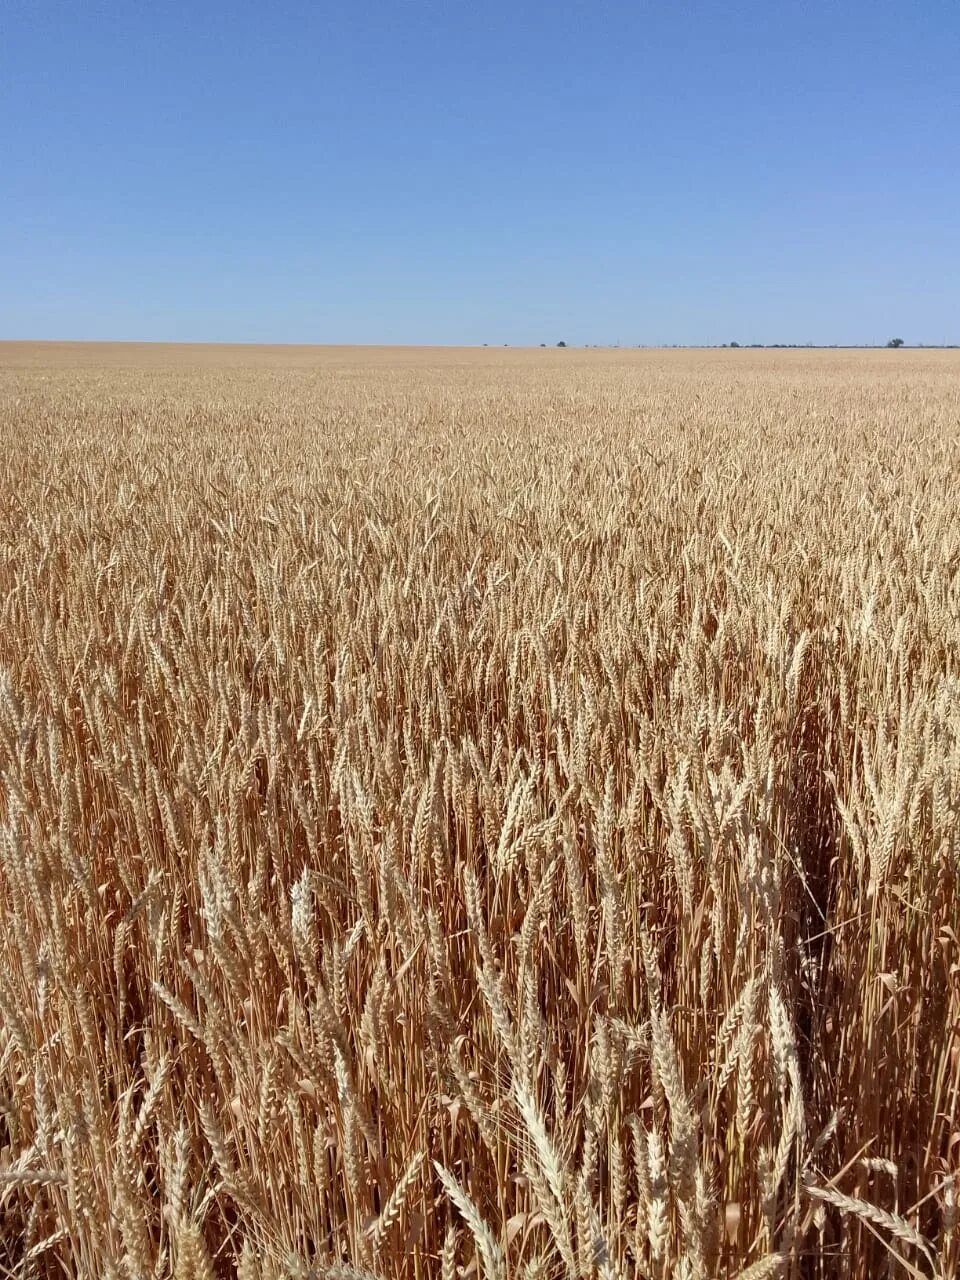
{"x": 478, "y": 813}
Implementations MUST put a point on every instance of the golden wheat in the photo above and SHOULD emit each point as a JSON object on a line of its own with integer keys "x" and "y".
{"x": 478, "y": 813}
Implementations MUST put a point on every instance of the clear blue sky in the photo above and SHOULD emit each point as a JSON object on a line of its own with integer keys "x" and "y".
{"x": 485, "y": 172}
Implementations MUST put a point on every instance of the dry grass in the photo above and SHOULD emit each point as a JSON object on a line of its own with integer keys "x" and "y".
{"x": 478, "y": 813}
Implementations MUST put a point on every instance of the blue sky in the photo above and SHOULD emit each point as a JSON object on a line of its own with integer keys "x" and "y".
{"x": 488, "y": 172}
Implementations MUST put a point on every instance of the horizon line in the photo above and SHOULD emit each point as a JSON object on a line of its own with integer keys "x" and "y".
{"x": 493, "y": 346}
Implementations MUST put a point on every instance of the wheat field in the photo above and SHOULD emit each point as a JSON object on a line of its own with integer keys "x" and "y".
{"x": 479, "y": 813}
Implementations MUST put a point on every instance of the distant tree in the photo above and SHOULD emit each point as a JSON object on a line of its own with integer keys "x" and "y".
{"x": 895, "y": 342}
{"x": 561, "y": 344}
{"x": 543, "y": 344}
{"x": 734, "y": 344}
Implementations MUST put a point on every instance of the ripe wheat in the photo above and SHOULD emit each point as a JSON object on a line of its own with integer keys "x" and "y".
{"x": 478, "y": 814}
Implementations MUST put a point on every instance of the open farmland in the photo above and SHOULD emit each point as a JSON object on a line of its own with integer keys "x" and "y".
{"x": 479, "y": 813}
